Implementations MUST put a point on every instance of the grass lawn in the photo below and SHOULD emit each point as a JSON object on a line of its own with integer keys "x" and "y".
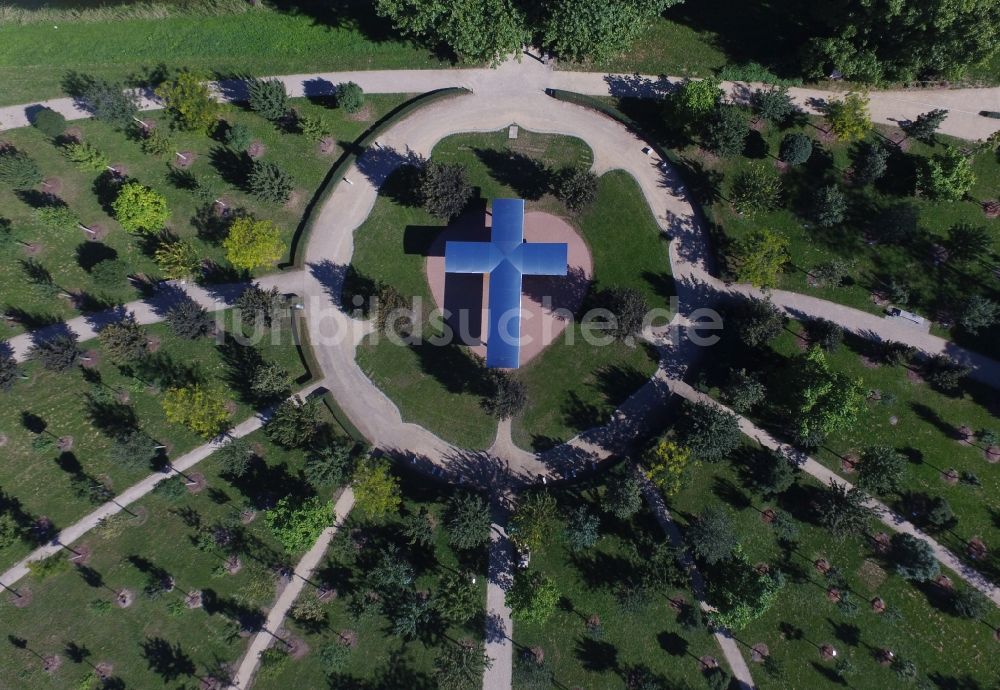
{"x": 925, "y": 431}
{"x": 648, "y": 636}
{"x": 157, "y": 641}
{"x": 381, "y": 658}
{"x": 437, "y": 386}
{"x": 39, "y": 477}
{"x": 35, "y": 58}
{"x": 950, "y": 651}
{"x": 68, "y": 255}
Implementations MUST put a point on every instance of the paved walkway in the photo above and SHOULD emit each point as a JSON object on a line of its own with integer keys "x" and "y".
{"x": 74, "y": 532}
{"x": 499, "y": 627}
{"x": 887, "y": 107}
{"x": 727, "y": 643}
{"x": 813, "y": 468}
{"x": 300, "y": 577}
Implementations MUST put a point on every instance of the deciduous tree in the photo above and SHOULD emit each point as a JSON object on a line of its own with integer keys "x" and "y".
{"x": 666, "y": 466}
{"x": 881, "y": 470}
{"x": 376, "y": 490}
{"x": 187, "y": 98}
{"x": 444, "y": 189}
{"x": 849, "y": 117}
{"x": 756, "y": 189}
{"x": 760, "y": 258}
{"x": 253, "y": 243}
{"x": 140, "y": 209}
{"x": 198, "y": 408}
{"x": 532, "y": 598}
{"x": 947, "y": 176}
{"x": 596, "y": 29}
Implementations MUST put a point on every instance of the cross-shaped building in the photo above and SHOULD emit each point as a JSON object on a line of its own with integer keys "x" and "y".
{"x": 506, "y": 258}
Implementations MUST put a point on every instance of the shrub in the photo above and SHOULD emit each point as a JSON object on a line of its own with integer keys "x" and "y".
{"x": 56, "y": 217}
{"x": 178, "y": 259}
{"x": 849, "y": 118}
{"x": 268, "y": 98}
{"x": 756, "y": 189}
{"x": 269, "y": 182}
{"x": 795, "y": 148}
{"x": 188, "y": 99}
{"x": 914, "y": 558}
{"x": 945, "y": 373}
{"x": 828, "y": 206}
{"x": 712, "y": 536}
{"x": 139, "y": 209}
{"x": 18, "y": 170}
{"x": 201, "y": 410}
{"x": 49, "y": 122}
{"x": 726, "y": 131}
{"x": 157, "y": 142}
{"x": 350, "y": 97}
{"x": 575, "y": 187}
{"x": 110, "y": 101}
{"x": 871, "y": 163}
{"x": 86, "y": 156}
{"x": 57, "y": 354}
{"x": 188, "y": 319}
{"x": 253, "y": 243}
{"x": 773, "y": 104}
{"x": 947, "y": 176}
{"x": 294, "y": 423}
{"x": 238, "y": 137}
{"x": 444, "y": 189}
{"x": 123, "y": 340}
{"x": 297, "y": 526}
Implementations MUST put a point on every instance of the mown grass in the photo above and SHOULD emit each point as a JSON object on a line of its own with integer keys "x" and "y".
{"x": 649, "y": 637}
{"x": 381, "y": 658}
{"x": 570, "y": 387}
{"x": 68, "y": 255}
{"x": 39, "y": 479}
{"x": 34, "y": 58}
{"x": 163, "y": 534}
{"x": 950, "y": 651}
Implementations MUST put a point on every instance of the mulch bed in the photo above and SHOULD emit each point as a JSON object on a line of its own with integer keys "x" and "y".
{"x": 327, "y": 146}
{"x": 256, "y": 149}
{"x": 74, "y": 133}
{"x": 325, "y": 594}
{"x": 849, "y": 462}
{"x": 195, "y": 482}
{"x": 944, "y": 582}
{"x": 248, "y": 516}
{"x": 33, "y": 248}
{"x": 677, "y": 602}
{"x": 991, "y": 209}
{"x": 348, "y": 638}
{"x": 768, "y": 516}
{"x": 976, "y": 549}
{"x": 827, "y": 652}
{"x": 125, "y": 598}
{"x": 52, "y": 185}
{"x": 3, "y": 440}
{"x": 233, "y": 565}
{"x": 104, "y": 670}
{"x": 184, "y": 159}
{"x": 22, "y": 601}
{"x": 52, "y": 663}
{"x": 882, "y": 542}
{"x": 193, "y": 599}
{"x": 153, "y": 343}
{"x": 913, "y": 376}
{"x": 992, "y": 454}
{"x": 884, "y": 657}
{"x": 97, "y": 232}
{"x": 82, "y": 555}
{"x": 708, "y": 662}
{"x": 90, "y": 359}
{"x": 65, "y": 443}
{"x": 293, "y": 199}
{"x": 759, "y": 652}
{"x": 822, "y": 565}
{"x": 878, "y": 605}
{"x": 363, "y": 115}
{"x": 833, "y": 594}
{"x": 950, "y": 476}
{"x": 140, "y": 517}
{"x": 965, "y": 435}
{"x": 120, "y": 170}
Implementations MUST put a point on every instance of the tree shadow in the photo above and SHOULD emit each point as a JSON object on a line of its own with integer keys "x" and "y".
{"x": 528, "y": 177}
{"x": 596, "y": 656}
{"x": 89, "y": 254}
{"x": 169, "y": 661}
{"x": 232, "y": 166}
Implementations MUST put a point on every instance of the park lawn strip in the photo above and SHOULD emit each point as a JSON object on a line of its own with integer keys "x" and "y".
{"x": 926, "y": 432}
{"x": 67, "y": 254}
{"x": 40, "y": 479}
{"x": 941, "y": 645}
{"x": 36, "y": 57}
{"x": 380, "y": 655}
{"x": 165, "y": 536}
{"x": 649, "y": 637}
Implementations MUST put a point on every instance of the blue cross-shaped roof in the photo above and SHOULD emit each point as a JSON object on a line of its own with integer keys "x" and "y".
{"x": 506, "y": 258}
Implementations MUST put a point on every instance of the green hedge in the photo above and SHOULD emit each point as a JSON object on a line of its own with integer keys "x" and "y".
{"x": 337, "y": 172}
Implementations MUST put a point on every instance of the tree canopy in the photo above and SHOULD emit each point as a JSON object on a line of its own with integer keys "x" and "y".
{"x": 253, "y": 243}
{"x": 140, "y": 209}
